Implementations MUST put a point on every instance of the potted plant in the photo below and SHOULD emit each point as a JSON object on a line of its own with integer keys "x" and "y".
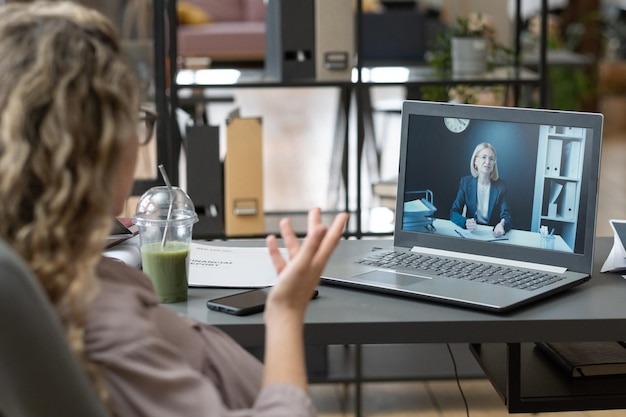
{"x": 470, "y": 40}
{"x": 446, "y": 62}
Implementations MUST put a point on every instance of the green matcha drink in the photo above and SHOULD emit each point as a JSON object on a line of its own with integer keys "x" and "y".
{"x": 165, "y": 218}
{"x": 167, "y": 268}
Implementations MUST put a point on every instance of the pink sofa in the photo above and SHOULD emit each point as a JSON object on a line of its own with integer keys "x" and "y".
{"x": 237, "y": 32}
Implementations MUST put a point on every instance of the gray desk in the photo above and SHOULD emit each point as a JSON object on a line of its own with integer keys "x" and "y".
{"x": 501, "y": 343}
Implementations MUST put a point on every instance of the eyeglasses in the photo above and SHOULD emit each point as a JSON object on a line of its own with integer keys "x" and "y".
{"x": 485, "y": 158}
{"x": 145, "y": 127}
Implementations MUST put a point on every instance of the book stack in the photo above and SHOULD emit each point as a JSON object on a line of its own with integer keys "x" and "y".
{"x": 386, "y": 192}
{"x": 419, "y": 215}
{"x": 585, "y": 359}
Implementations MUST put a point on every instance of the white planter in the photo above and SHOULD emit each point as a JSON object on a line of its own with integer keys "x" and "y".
{"x": 469, "y": 55}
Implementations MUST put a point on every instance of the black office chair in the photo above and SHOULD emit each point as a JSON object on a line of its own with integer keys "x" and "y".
{"x": 39, "y": 374}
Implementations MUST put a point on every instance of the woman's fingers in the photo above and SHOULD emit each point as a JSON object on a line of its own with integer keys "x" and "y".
{"x": 314, "y": 218}
{"x": 316, "y": 249}
{"x": 277, "y": 257}
{"x": 331, "y": 239}
{"x": 289, "y": 237}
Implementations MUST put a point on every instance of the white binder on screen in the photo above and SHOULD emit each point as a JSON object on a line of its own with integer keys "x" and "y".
{"x": 569, "y": 201}
{"x": 572, "y": 159}
{"x": 556, "y": 188}
{"x": 553, "y": 159}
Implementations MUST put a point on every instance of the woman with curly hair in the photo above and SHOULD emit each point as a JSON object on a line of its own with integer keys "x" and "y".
{"x": 68, "y": 147}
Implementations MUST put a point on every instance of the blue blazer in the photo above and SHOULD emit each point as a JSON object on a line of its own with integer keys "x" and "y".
{"x": 467, "y": 196}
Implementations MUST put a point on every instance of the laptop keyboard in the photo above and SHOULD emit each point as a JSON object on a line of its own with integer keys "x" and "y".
{"x": 461, "y": 269}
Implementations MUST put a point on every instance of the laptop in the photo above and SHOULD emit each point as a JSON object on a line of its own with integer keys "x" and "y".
{"x": 119, "y": 233}
{"x": 546, "y": 189}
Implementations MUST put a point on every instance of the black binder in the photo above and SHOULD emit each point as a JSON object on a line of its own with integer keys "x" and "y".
{"x": 290, "y": 39}
{"x": 205, "y": 180}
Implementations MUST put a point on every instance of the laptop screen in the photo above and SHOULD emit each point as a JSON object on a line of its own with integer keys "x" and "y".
{"x": 498, "y": 181}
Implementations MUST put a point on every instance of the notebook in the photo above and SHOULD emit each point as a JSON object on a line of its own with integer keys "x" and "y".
{"x": 546, "y": 190}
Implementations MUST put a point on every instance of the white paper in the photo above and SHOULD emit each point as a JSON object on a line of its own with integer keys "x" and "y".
{"x": 415, "y": 206}
{"x": 482, "y": 233}
{"x": 228, "y": 266}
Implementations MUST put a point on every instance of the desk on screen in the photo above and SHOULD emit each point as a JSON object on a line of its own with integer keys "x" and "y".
{"x": 512, "y": 237}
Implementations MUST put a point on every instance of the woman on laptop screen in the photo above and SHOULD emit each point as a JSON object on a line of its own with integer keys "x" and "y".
{"x": 68, "y": 147}
{"x": 483, "y": 194}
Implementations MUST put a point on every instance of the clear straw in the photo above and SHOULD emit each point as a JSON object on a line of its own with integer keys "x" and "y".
{"x": 169, "y": 211}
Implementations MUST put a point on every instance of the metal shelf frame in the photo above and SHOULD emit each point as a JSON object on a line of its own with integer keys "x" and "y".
{"x": 169, "y": 142}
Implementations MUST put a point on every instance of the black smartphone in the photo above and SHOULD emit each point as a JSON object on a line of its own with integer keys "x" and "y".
{"x": 243, "y": 303}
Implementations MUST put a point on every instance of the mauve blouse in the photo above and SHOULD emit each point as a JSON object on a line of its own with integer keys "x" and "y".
{"x": 157, "y": 363}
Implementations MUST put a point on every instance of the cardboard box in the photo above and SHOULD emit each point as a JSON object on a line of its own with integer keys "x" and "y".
{"x": 243, "y": 177}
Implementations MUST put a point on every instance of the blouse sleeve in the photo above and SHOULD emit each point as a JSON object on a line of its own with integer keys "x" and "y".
{"x": 151, "y": 379}
{"x": 156, "y": 363}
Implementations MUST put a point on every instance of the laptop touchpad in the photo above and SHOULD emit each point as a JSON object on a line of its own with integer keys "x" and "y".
{"x": 389, "y": 279}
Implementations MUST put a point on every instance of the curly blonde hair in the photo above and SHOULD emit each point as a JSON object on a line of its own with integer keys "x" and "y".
{"x": 68, "y": 108}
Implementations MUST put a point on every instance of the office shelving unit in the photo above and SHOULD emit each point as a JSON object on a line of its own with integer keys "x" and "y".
{"x": 168, "y": 134}
{"x": 559, "y": 176}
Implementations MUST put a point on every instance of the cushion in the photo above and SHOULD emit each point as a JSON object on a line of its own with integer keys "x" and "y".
{"x": 223, "y": 40}
{"x": 221, "y": 10}
{"x": 254, "y": 10}
{"x": 190, "y": 14}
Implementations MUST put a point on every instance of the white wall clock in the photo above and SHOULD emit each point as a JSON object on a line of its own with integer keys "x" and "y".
{"x": 456, "y": 125}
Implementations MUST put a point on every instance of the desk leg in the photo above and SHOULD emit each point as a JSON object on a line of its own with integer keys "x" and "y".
{"x": 358, "y": 380}
{"x": 514, "y": 379}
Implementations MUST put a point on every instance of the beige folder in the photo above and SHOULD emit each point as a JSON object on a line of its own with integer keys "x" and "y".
{"x": 334, "y": 40}
{"x": 243, "y": 177}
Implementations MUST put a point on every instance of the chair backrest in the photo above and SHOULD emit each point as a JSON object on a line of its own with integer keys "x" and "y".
{"x": 39, "y": 374}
